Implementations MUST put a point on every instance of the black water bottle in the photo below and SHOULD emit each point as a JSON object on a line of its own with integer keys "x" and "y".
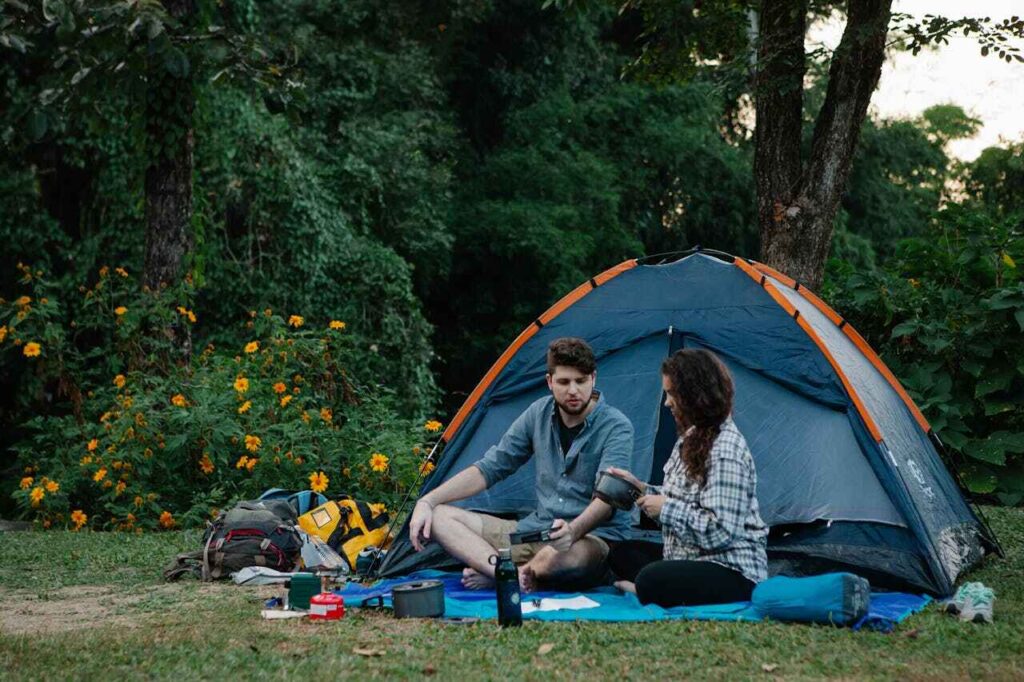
{"x": 506, "y": 581}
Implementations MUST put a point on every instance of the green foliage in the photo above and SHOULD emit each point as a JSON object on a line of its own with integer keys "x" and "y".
{"x": 145, "y": 445}
{"x": 947, "y": 315}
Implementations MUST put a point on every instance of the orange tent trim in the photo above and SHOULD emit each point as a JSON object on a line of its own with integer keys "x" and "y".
{"x": 854, "y": 336}
{"x": 792, "y": 311}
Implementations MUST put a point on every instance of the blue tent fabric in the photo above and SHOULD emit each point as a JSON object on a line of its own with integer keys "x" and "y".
{"x": 887, "y": 609}
{"x": 818, "y": 463}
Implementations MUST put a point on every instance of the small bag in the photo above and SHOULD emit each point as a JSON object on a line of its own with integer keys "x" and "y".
{"x": 832, "y": 598}
{"x": 253, "y": 533}
{"x": 347, "y": 526}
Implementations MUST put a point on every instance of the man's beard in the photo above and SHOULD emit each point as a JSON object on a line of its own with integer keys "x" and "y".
{"x": 573, "y": 412}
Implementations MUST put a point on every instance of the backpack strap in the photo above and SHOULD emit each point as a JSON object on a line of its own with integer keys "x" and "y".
{"x": 207, "y": 574}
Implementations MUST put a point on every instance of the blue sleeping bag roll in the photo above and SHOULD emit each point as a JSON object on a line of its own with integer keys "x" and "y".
{"x": 832, "y": 598}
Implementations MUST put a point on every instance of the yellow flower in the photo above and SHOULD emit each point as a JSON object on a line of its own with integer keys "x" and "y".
{"x": 244, "y": 407}
{"x": 138, "y": 500}
{"x": 433, "y": 426}
{"x": 121, "y": 271}
{"x": 337, "y": 324}
{"x": 86, "y": 460}
{"x": 242, "y": 461}
{"x": 296, "y": 321}
{"x": 252, "y": 443}
{"x": 3, "y": 333}
{"x": 121, "y": 485}
{"x": 104, "y": 270}
{"x": 108, "y": 483}
{"x": 52, "y": 486}
{"x": 279, "y": 387}
{"x": 178, "y": 400}
{"x": 23, "y": 301}
{"x": 378, "y": 462}
{"x": 100, "y": 474}
{"x": 241, "y": 384}
{"x": 251, "y": 464}
{"x": 426, "y": 467}
{"x": 268, "y": 312}
{"x": 252, "y": 346}
{"x": 285, "y": 400}
{"x": 167, "y": 519}
{"x": 79, "y": 518}
{"x": 120, "y": 310}
{"x": 305, "y": 416}
{"x": 318, "y": 481}
{"x": 92, "y": 445}
{"x": 206, "y": 464}
{"x": 31, "y": 349}
{"x": 37, "y": 496}
{"x": 119, "y": 381}
{"x": 326, "y": 414}
{"x": 26, "y": 482}
{"x": 191, "y": 317}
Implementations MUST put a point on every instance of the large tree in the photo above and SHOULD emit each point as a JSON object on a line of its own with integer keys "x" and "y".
{"x": 762, "y": 42}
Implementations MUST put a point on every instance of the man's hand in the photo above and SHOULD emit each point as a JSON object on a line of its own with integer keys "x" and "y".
{"x": 562, "y": 535}
{"x": 419, "y": 526}
{"x": 652, "y": 504}
{"x": 622, "y": 473}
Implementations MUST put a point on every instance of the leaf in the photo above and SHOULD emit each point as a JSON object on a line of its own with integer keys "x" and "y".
{"x": 992, "y": 384}
{"x": 545, "y": 648}
{"x": 979, "y": 481}
{"x": 176, "y": 63}
{"x": 80, "y": 74}
{"x": 1019, "y": 316}
{"x": 905, "y": 328}
{"x": 1008, "y": 260}
{"x": 987, "y": 452}
{"x": 37, "y": 125}
{"x": 955, "y": 439}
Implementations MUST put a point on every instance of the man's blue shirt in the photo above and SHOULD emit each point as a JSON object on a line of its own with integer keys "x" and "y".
{"x": 565, "y": 485}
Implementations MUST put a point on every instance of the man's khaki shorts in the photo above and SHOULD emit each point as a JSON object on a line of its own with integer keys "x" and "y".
{"x": 496, "y": 532}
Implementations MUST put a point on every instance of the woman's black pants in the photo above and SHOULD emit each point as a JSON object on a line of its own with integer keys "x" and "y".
{"x": 676, "y": 582}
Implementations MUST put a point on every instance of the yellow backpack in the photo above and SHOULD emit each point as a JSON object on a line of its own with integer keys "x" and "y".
{"x": 348, "y": 526}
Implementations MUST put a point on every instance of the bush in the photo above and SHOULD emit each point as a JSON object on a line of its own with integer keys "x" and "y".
{"x": 946, "y": 313}
{"x": 137, "y": 436}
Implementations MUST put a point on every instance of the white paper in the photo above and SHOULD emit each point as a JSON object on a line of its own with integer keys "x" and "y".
{"x": 279, "y": 614}
{"x": 553, "y": 604}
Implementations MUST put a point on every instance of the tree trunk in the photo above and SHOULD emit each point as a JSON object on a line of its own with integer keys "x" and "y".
{"x": 169, "y": 107}
{"x": 797, "y": 205}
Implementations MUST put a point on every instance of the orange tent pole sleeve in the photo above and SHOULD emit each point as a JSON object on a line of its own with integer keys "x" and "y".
{"x": 524, "y": 336}
{"x": 792, "y": 311}
{"x": 857, "y": 339}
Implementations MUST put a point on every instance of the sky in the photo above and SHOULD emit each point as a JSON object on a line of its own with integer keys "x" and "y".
{"x": 985, "y": 87}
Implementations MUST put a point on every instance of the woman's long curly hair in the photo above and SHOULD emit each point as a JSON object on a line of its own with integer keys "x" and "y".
{"x": 702, "y": 390}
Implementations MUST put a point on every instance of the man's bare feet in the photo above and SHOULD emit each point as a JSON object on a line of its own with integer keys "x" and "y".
{"x": 473, "y": 579}
{"x": 527, "y": 579}
{"x": 625, "y": 586}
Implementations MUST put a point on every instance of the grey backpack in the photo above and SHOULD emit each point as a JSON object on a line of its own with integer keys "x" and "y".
{"x": 253, "y": 533}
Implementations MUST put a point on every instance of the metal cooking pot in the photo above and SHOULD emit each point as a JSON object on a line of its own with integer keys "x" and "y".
{"x": 419, "y": 599}
{"x": 616, "y": 491}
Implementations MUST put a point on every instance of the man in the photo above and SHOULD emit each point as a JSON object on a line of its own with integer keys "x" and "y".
{"x": 571, "y": 436}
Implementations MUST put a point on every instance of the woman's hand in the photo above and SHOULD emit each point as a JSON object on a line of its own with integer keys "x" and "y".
{"x": 651, "y": 505}
{"x": 622, "y": 473}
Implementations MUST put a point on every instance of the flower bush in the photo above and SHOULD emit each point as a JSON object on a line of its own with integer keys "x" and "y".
{"x": 141, "y": 437}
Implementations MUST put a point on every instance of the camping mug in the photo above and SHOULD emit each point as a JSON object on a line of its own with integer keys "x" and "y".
{"x": 618, "y": 492}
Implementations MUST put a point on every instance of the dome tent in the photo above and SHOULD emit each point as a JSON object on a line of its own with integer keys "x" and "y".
{"x": 849, "y": 472}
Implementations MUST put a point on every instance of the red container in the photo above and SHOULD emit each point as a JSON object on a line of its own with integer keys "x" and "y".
{"x": 326, "y": 606}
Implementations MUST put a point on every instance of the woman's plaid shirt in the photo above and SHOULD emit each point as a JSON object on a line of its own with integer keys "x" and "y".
{"x": 719, "y": 522}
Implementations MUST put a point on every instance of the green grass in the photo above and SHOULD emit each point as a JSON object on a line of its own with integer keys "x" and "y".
{"x": 92, "y": 606}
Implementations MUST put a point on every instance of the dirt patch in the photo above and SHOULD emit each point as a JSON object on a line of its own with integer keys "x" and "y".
{"x": 85, "y": 606}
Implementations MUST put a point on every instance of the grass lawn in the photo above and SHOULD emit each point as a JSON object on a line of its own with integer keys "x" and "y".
{"x": 92, "y": 606}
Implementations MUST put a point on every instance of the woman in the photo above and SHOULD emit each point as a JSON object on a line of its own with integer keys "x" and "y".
{"x": 714, "y": 538}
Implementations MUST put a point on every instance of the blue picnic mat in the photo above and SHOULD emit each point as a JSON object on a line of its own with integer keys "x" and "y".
{"x": 887, "y": 608}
